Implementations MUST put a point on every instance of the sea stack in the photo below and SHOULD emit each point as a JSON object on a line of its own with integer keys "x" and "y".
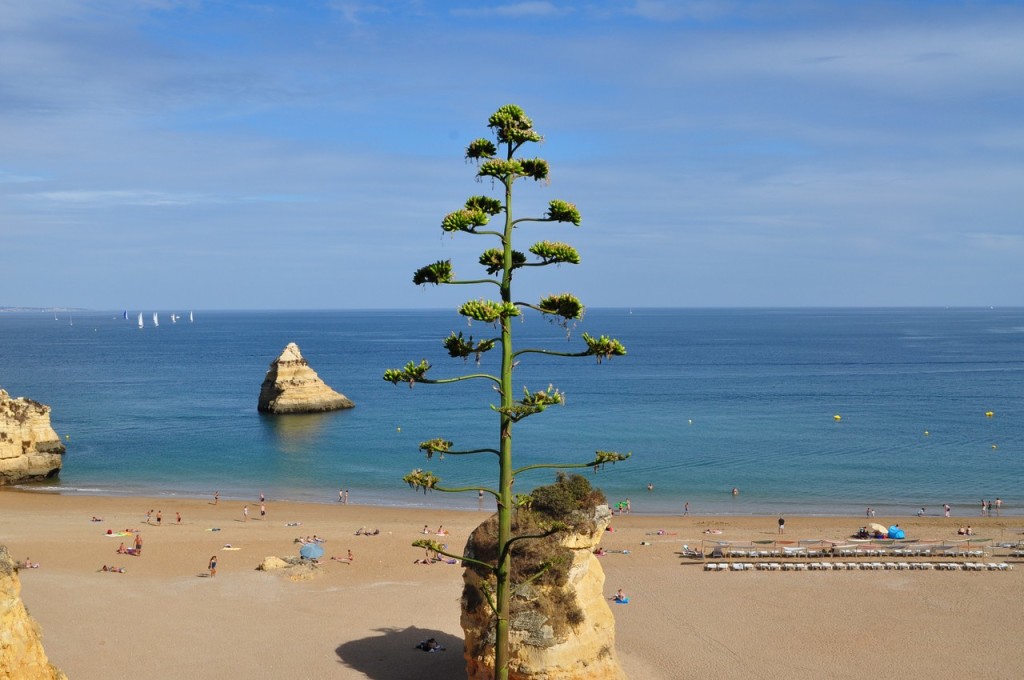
{"x": 291, "y": 386}
{"x": 29, "y": 448}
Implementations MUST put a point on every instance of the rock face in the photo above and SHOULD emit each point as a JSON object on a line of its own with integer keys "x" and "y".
{"x": 29, "y": 448}
{"x": 542, "y": 649}
{"x": 21, "y": 648}
{"x": 291, "y": 386}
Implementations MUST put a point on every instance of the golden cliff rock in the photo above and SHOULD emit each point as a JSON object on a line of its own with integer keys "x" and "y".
{"x": 291, "y": 386}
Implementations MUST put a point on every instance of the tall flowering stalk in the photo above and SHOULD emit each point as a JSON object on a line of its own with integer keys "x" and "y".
{"x": 498, "y": 161}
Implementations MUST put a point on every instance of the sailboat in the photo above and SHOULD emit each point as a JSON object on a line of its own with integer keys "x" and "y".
{"x": 174, "y": 318}
{"x": 140, "y": 320}
{"x": 126, "y": 315}
{"x": 156, "y": 319}
{"x": 190, "y": 317}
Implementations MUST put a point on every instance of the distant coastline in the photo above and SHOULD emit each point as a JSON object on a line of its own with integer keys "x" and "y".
{"x": 43, "y": 310}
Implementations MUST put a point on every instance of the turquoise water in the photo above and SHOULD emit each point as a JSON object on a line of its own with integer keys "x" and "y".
{"x": 706, "y": 400}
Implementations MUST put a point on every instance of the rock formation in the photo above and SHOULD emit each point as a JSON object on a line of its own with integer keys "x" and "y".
{"x": 559, "y": 631}
{"x": 21, "y": 648}
{"x": 29, "y": 448}
{"x": 291, "y": 386}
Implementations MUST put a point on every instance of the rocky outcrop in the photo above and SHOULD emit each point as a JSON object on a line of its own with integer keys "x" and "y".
{"x": 558, "y": 631}
{"x": 291, "y": 386}
{"x": 29, "y": 448}
{"x": 21, "y": 648}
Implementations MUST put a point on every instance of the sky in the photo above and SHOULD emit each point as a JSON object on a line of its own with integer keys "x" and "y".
{"x": 223, "y": 154}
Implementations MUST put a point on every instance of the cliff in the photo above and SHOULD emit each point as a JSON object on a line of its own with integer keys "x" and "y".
{"x": 561, "y": 625}
{"x": 21, "y": 648}
{"x": 29, "y": 448}
{"x": 291, "y": 386}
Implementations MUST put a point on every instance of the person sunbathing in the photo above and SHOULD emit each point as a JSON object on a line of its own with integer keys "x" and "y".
{"x": 430, "y": 645}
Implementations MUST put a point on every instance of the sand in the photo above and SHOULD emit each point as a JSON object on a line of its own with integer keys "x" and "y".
{"x": 166, "y": 618}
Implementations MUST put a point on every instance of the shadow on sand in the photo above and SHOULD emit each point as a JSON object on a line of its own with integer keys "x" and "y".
{"x": 392, "y": 655}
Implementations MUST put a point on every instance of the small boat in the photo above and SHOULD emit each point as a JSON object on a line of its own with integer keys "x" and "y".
{"x": 156, "y": 319}
{"x": 190, "y": 317}
{"x": 126, "y": 315}
{"x": 140, "y": 320}
{"x": 174, "y": 319}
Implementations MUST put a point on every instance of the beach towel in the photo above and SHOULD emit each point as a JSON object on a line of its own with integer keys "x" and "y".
{"x": 624, "y": 600}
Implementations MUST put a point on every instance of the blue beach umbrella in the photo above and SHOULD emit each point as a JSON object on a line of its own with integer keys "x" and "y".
{"x": 311, "y": 551}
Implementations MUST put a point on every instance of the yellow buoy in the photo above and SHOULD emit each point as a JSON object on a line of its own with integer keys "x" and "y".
{"x": 837, "y": 417}
{"x": 399, "y": 429}
{"x": 994, "y": 446}
{"x": 989, "y": 414}
{"x": 926, "y": 433}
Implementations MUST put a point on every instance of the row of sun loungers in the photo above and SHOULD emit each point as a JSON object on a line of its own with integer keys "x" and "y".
{"x": 857, "y": 566}
{"x": 857, "y": 552}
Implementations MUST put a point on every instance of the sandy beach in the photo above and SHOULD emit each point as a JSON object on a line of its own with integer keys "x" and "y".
{"x": 165, "y": 617}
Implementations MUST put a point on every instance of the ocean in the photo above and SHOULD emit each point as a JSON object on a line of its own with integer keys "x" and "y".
{"x": 706, "y": 400}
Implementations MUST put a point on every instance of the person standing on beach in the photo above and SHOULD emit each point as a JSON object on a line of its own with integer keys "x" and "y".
{"x": 263, "y": 498}
{"x": 686, "y": 508}
{"x": 216, "y": 497}
{"x": 213, "y": 566}
{"x": 945, "y": 509}
{"x": 138, "y": 545}
{"x": 263, "y": 510}
{"x": 159, "y": 517}
{"x": 782, "y": 525}
{"x": 245, "y": 514}
{"x": 346, "y": 496}
{"x": 178, "y": 515}
{"x": 341, "y": 495}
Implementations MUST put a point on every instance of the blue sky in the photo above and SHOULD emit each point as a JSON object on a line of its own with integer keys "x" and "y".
{"x": 165, "y": 154}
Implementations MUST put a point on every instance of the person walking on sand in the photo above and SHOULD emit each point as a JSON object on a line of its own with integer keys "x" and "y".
{"x": 945, "y": 509}
{"x": 245, "y": 513}
{"x": 686, "y": 508}
{"x": 782, "y": 525}
{"x": 263, "y": 511}
{"x": 213, "y": 566}
{"x": 159, "y": 517}
{"x": 216, "y": 497}
{"x": 341, "y": 495}
{"x": 178, "y": 516}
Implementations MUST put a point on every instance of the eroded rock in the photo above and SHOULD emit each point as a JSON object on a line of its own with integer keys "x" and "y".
{"x": 291, "y": 386}
{"x": 30, "y": 450}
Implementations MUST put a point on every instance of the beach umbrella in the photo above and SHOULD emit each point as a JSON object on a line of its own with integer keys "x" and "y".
{"x": 311, "y": 551}
{"x": 874, "y": 526}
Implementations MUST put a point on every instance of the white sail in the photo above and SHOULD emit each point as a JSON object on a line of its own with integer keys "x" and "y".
{"x": 140, "y": 320}
{"x": 174, "y": 319}
{"x": 156, "y": 319}
{"x": 190, "y": 317}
